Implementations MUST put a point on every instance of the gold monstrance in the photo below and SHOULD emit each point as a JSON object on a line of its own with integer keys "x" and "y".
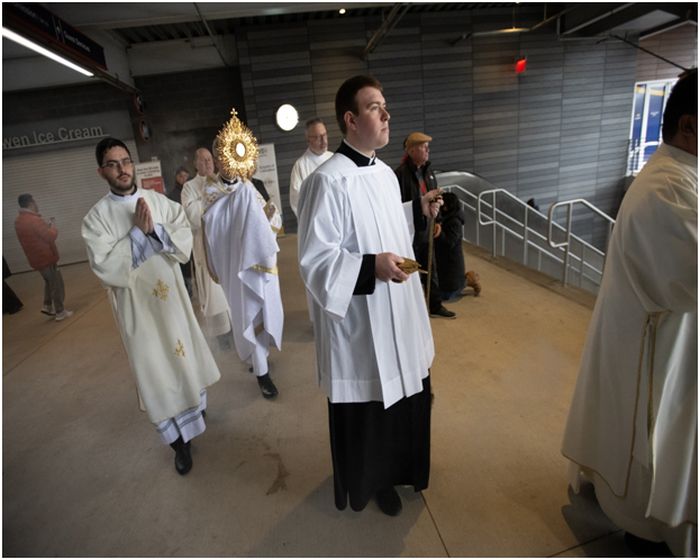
{"x": 237, "y": 149}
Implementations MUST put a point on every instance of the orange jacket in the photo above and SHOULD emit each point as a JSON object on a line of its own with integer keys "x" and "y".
{"x": 38, "y": 239}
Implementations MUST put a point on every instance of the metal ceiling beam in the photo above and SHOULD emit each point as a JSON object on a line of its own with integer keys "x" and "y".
{"x": 585, "y": 15}
{"x": 396, "y": 13}
{"x": 213, "y": 38}
{"x": 665, "y": 27}
{"x": 619, "y": 18}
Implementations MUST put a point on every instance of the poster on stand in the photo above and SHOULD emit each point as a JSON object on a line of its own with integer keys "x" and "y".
{"x": 267, "y": 173}
{"x": 150, "y": 176}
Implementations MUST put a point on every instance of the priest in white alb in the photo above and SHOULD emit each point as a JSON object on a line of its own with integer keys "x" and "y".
{"x": 135, "y": 241}
{"x": 241, "y": 242}
{"x": 374, "y": 345}
{"x": 632, "y": 428}
{"x": 210, "y": 297}
{"x": 316, "y": 153}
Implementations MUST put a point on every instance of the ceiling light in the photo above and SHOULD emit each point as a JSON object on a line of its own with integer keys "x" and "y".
{"x": 341, "y": 11}
{"x": 12, "y": 36}
{"x": 286, "y": 117}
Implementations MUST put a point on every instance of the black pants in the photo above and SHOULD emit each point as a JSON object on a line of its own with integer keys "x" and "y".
{"x": 373, "y": 448}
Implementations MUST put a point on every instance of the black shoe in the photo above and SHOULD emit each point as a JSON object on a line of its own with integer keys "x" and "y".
{"x": 389, "y": 501}
{"x": 267, "y": 387}
{"x": 183, "y": 458}
{"x": 644, "y": 548}
{"x": 442, "y": 311}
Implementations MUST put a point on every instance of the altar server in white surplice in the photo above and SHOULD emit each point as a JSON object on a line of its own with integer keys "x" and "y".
{"x": 242, "y": 254}
{"x": 373, "y": 339}
{"x": 136, "y": 240}
{"x": 210, "y": 296}
{"x": 632, "y": 428}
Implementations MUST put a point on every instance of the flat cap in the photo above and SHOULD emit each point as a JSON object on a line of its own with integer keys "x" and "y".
{"x": 416, "y": 138}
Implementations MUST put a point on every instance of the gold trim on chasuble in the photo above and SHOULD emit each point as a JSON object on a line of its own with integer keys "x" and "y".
{"x": 265, "y": 269}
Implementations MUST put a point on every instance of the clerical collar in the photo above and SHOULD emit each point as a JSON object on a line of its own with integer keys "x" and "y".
{"x": 228, "y": 181}
{"x": 123, "y": 194}
{"x": 360, "y": 159}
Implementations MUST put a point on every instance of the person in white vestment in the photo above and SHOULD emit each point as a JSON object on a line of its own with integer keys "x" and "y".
{"x": 241, "y": 237}
{"x": 210, "y": 297}
{"x": 374, "y": 346}
{"x": 632, "y": 426}
{"x": 136, "y": 240}
{"x": 316, "y": 153}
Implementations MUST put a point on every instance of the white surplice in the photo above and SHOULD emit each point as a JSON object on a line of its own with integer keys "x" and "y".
{"x": 210, "y": 296}
{"x": 242, "y": 252}
{"x": 303, "y": 167}
{"x": 167, "y": 352}
{"x": 632, "y": 426}
{"x": 375, "y": 347}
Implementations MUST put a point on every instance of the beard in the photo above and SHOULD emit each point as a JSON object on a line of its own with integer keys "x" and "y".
{"x": 119, "y": 186}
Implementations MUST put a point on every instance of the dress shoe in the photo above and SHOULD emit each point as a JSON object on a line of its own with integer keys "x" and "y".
{"x": 442, "y": 311}
{"x": 389, "y": 501}
{"x": 183, "y": 458}
{"x": 267, "y": 387}
{"x": 644, "y": 548}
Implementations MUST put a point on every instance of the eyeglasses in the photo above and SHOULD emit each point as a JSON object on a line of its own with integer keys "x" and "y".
{"x": 114, "y": 164}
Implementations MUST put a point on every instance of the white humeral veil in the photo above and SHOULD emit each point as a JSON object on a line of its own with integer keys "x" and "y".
{"x": 242, "y": 253}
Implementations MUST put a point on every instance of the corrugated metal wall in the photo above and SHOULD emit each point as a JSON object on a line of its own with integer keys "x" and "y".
{"x": 558, "y": 131}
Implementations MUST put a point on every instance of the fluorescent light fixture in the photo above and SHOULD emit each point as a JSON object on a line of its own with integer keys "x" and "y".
{"x": 12, "y": 36}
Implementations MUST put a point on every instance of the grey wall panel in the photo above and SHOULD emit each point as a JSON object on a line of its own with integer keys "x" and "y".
{"x": 679, "y": 46}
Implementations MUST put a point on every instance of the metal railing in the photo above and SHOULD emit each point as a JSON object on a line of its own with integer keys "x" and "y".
{"x": 567, "y": 243}
{"x": 520, "y": 237}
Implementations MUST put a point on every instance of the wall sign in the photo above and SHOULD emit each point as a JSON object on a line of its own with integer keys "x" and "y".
{"x": 56, "y": 136}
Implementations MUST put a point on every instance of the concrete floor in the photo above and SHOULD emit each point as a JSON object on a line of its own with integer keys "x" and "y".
{"x": 86, "y": 475}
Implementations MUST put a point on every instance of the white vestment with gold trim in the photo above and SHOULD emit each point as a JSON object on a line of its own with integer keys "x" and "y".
{"x": 210, "y": 296}
{"x": 167, "y": 351}
{"x": 242, "y": 251}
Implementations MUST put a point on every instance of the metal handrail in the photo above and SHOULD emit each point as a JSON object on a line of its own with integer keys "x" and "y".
{"x": 527, "y": 242}
{"x": 491, "y": 216}
{"x": 569, "y": 214}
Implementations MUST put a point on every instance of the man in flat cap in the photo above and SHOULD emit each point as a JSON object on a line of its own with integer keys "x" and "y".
{"x": 415, "y": 179}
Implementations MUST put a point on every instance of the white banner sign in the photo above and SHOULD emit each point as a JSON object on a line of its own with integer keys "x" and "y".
{"x": 267, "y": 173}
